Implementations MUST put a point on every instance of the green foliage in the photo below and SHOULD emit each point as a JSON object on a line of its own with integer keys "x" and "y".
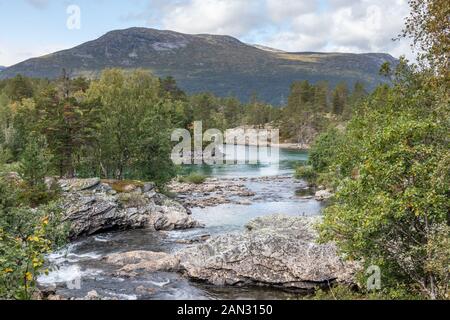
{"x": 35, "y": 161}
{"x": 119, "y": 126}
{"x": 344, "y": 292}
{"x": 428, "y": 26}
{"x": 26, "y": 235}
{"x": 33, "y": 169}
{"x": 340, "y": 98}
{"x": 324, "y": 150}
{"x": 133, "y": 136}
{"x": 19, "y": 88}
{"x": 307, "y": 112}
{"x": 69, "y": 124}
{"x": 169, "y": 89}
{"x": 194, "y": 178}
{"x": 306, "y": 173}
{"x": 393, "y": 165}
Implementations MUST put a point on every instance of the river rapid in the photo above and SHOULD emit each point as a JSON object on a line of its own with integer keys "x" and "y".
{"x": 79, "y": 268}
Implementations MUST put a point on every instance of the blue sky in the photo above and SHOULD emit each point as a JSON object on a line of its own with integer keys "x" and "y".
{"x": 31, "y": 28}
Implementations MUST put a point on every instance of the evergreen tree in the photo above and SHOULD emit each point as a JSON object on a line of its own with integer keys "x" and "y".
{"x": 35, "y": 161}
{"x": 340, "y": 98}
{"x": 321, "y": 97}
{"x": 356, "y": 98}
{"x": 170, "y": 89}
{"x": 19, "y": 88}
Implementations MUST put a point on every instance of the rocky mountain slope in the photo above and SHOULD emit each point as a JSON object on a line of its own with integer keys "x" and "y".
{"x": 220, "y": 64}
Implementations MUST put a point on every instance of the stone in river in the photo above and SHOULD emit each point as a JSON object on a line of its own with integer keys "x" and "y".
{"x": 278, "y": 251}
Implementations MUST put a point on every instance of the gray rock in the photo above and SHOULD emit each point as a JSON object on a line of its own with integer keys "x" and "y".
{"x": 91, "y": 207}
{"x": 78, "y": 184}
{"x": 148, "y": 186}
{"x": 92, "y": 295}
{"x": 322, "y": 195}
{"x": 148, "y": 261}
{"x": 278, "y": 251}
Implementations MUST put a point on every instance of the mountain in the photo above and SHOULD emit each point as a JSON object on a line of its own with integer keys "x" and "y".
{"x": 203, "y": 62}
{"x": 2, "y": 68}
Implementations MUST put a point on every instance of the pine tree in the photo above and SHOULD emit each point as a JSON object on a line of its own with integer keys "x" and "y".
{"x": 68, "y": 126}
{"x": 340, "y": 98}
{"x": 19, "y": 88}
{"x": 358, "y": 95}
{"x": 321, "y": 97}
{"x": 35, "y": 161}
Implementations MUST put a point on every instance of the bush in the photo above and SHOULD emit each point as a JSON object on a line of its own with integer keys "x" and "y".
{"x": 194, "y": 178}
{"x": 391, "y": 206}
{"x": 26, "y": 235}
{"x": 344, "y": 292}
{"x": 306, "y": 173}
{"x": 323, "y": 151}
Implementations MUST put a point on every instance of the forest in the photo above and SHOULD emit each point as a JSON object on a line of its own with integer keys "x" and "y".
{"x": 119, "y": 125}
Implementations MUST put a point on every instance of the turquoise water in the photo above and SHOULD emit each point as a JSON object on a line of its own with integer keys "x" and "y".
{"x": 278, "y": 162}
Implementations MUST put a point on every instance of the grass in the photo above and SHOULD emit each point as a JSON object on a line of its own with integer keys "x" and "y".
{"x": 194, "y": 178}
{"x": 299, "y": 57}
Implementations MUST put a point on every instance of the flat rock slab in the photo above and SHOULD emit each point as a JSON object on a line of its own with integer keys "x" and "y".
{"x": 148, "y": 261}
{"x": 278, "y": 251}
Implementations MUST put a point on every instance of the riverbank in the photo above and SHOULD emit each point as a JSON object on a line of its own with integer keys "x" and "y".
{"x": 158, "y": 266}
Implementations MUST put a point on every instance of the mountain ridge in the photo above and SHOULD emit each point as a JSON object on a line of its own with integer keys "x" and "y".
{"x": 220, "y": 64}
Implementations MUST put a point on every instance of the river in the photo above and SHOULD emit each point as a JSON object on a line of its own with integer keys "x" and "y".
{"x": 79, "y": 269}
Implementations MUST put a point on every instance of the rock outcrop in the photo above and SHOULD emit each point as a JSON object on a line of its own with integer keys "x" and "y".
{"x": 211, "y": 193}
{"x": 148, "y": 261}
{"x": 323, "y": 195}
{"x": 93, "y": 206}
{"x": 278, "y": 251}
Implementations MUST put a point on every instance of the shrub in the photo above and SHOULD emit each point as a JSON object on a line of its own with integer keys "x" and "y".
{"x": 194, "y": 178}
{"x": 26, "y": 235}
{"x": 306, "y": 173}
{"x": 391, "y": 206}
{"x": 324, "y": 149}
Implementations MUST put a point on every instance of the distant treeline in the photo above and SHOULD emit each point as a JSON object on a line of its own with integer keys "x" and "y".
{"x": 119, "y": 125}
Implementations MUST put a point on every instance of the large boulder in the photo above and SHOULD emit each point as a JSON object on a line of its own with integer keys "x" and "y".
{"x": 93, "y": 206}
{"x": 323, "y": 195}
{"x": 148, "y": 261}
{"x": 278, "y": 251}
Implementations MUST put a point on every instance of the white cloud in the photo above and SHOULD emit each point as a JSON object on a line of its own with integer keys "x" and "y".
{"x": 280, "y": 10}
{"x": 231, "y": 17}
{"x": 347, "y": 26}
{"x": 293, "y": 25}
